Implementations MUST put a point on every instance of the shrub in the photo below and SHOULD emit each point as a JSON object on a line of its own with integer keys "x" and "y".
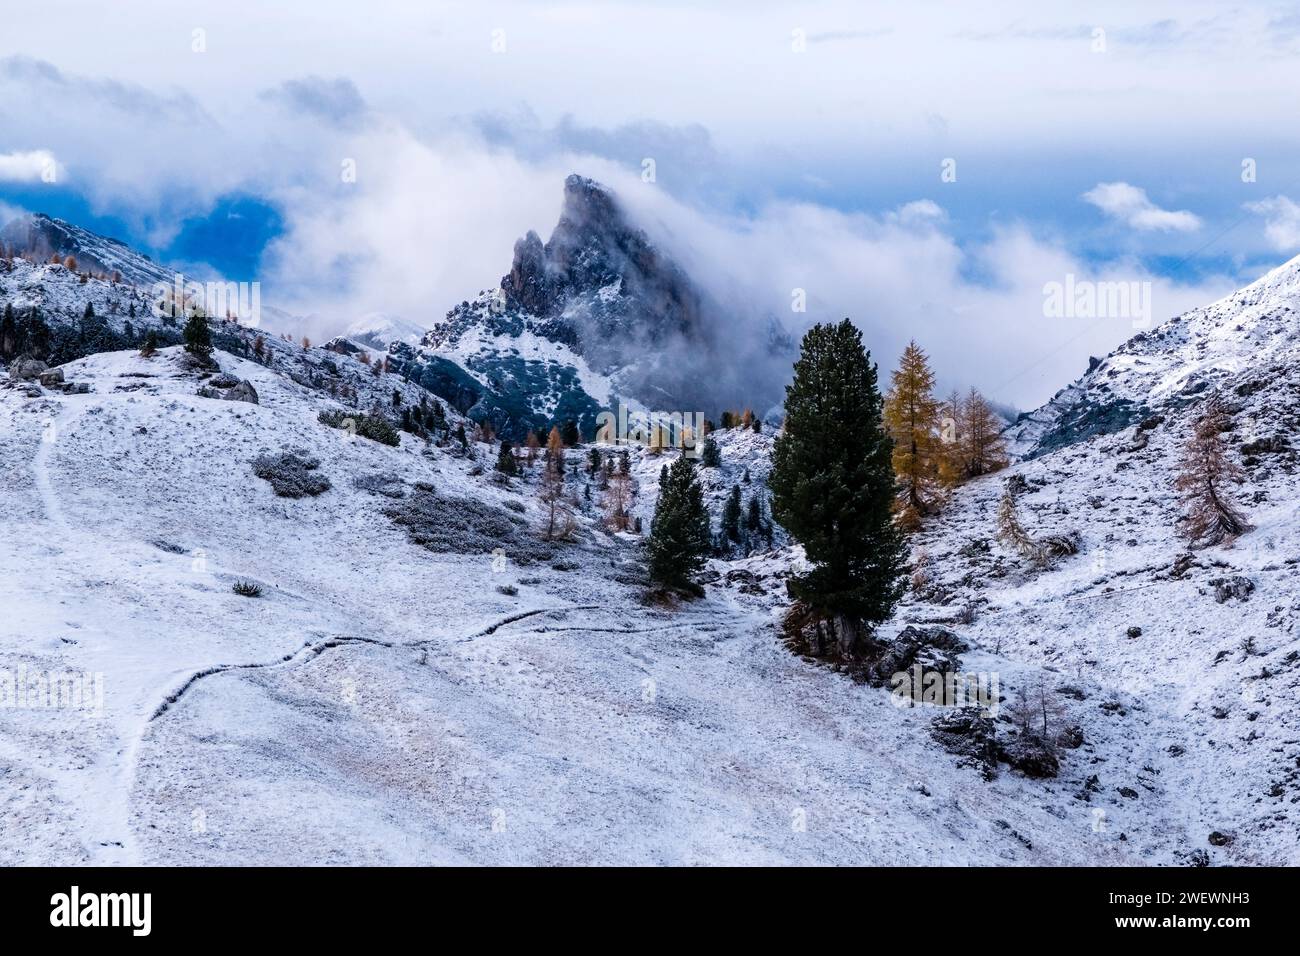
{"x": 247, "y": 589}
{"x": 373, "y": 427}
{"x": 386, "y": 483}
{"x": 464, "y": 526}
{"x": 291, "y": 474}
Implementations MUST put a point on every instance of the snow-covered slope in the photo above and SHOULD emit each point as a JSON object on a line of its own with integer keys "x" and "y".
{"x": 424, "y": 679}
{"x": 39, "y": 237}
{"x": 1253, "y": 332}
{"x": 384, "y": 703}
{"x": 1204, "y": 645}
{"x": 378, "y": 330}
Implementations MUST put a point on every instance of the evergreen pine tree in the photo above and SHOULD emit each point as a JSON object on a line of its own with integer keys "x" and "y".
{"x": 150, "y": 347}
{"x": 506, "y": 463}
{"x": 731, "y": 515}
{"x": 679, "y": 532}
{"x": 754, "y": 519}
{"x": 570, "y": 434}
{"x": 8, "y": 333}
{"x": 198, "y": 339}
{"x": 710, "y": 454}
{"x": 832, "y": 488}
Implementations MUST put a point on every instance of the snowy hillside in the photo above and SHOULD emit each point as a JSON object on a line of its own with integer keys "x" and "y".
{"x": 1249, "y": 339}
{"x": 382, "y": 702}
{"x": 39, "y": 237}
{"x": 413, "y": 674}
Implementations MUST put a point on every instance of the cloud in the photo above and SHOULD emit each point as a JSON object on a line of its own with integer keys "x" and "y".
{"x": 336, "y": 101}
{"x": 29, "y": 167}
{"x": 9, "y": 213}
{"x": 684, "y": 157}
{"x": 1130, "y": 205}
{"x": 430, "y": 222}
{"x": 834, "y": 36}
{"x": 1281, "y": 221}
{"x": 44, "y": 78}
{"x": 919, "y": 212}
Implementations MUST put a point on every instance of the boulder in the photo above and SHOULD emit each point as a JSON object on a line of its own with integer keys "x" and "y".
{"x": 934, "y": 648}
{"x": 1233, "y": 587}
{"x": 26, "y": 369}
{"x": 1071, "y": 738}
{"x": 242, "y": 391}
{"x": 1271, "y": 445}
{"x": 51, "y": 377}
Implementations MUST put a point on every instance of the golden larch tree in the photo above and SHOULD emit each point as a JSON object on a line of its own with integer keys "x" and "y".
{"x": 911, "y": 416}
{"x": 979, "y": 437}
{"x": 1212, "y": 515}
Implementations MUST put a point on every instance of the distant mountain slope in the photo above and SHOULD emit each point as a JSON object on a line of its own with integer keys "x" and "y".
{"x": 1252, "y": 335}
{"x": 38, "y": 237}
{"x": 378, "y": 330}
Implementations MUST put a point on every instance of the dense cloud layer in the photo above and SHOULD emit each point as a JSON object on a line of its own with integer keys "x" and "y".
{"x": 458, "y": 149}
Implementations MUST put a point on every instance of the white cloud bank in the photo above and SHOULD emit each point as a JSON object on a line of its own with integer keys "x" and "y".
{"x": 431, "y": 222}
{"x": 1131, "y": 205}
{"x": 28, "y": 167}
{"x": 1281, "y": 221}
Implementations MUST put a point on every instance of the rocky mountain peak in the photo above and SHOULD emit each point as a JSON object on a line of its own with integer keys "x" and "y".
{"x": 599, "y": 276}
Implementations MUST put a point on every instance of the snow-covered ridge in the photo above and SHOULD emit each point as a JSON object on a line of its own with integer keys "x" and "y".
{"x": 39, "y": 237}
{"x": 1251, "y": 331}
{"x": 380, "y": 329}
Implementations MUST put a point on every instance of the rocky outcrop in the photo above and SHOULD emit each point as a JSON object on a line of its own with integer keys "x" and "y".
{"x": 27, "y": 369}
{"x": 1236, "y": 586}
{"x": 229, "y": 388}
{"x": 598, "y": 283}
{"x": 969, "y": 735}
